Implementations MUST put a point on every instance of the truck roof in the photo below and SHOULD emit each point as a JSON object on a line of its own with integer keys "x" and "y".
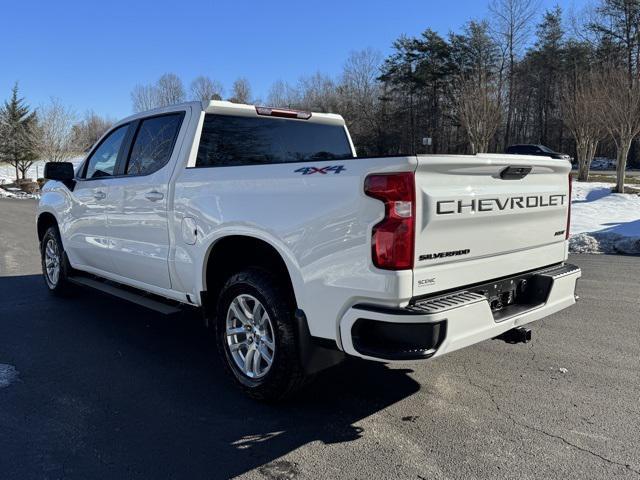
{"x": 223, "y": 107}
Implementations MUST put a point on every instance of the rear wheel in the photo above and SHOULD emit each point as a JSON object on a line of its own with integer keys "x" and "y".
{"x": 255, "y": 335}
{"x": 55, "y": 266}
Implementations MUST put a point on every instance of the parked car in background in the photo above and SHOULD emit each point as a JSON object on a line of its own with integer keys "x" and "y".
{"x": 603, "y": 163}
{"x": 540, "y": 150}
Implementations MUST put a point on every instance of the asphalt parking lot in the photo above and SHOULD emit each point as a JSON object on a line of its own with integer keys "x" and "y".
{"x": 94, "y": 387}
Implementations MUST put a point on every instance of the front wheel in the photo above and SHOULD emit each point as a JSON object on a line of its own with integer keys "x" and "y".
{"x": 55, "y": 266}
{"x": 255, "y": 335}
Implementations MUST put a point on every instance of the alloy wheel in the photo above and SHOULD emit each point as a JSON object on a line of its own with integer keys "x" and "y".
{"x": 250, "y": 336}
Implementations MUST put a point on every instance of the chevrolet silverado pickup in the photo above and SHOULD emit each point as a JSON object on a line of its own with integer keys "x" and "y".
{"x": 301, "y": 253}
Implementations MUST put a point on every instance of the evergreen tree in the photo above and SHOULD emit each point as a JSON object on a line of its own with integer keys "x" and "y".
{"x": 17, "y": 134}
{"x": 419, "y": 75}
{"x": 547, "y": 63}
{"x": 474, "y": 52}
{"x": 618, "y": 29}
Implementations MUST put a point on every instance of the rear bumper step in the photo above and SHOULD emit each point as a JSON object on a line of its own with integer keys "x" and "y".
{"x": 430, "y": 327}
{"x": 507, "y": 296}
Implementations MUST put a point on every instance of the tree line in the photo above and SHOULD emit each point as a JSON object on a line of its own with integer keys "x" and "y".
{"x": 570, "y": 82}
{"x": 52, "y": 132}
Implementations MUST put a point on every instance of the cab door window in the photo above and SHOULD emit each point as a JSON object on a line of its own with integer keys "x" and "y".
{"x": 102, "y": 162}
{"x": 153, "y": 143}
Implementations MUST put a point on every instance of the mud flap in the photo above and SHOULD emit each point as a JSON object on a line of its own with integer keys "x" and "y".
{"x": 316, "y": 354}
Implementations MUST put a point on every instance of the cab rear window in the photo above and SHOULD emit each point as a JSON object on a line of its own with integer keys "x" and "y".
{"x": 232, "y": 141}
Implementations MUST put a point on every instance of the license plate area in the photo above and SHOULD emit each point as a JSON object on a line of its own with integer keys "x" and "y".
{"x": 513, "y": 295}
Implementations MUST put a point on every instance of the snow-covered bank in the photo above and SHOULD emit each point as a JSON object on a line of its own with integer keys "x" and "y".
{"x": 8, "y": 173}
{"x": 604, "y": 222}
{"x": 17, "y": 194}
{"x": 8, "y": 176}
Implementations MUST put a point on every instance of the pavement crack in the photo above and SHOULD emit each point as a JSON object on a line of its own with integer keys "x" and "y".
{"x": 515, "y": 422}
{"x": 533, "y": 353}
{"x": 577, "y": 447}
{"x": 485, "y": 390}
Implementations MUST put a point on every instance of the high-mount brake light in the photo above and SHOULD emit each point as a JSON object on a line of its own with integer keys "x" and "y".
{"x": 279, "y": 112}
{"x": 392, "y": 240}
{"x": 569, "y": 208}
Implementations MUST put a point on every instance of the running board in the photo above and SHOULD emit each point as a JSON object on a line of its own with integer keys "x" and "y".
{"x": 125, "y": 294}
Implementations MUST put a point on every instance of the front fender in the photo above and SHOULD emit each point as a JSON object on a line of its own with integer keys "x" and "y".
{"x": 55, "y": 201}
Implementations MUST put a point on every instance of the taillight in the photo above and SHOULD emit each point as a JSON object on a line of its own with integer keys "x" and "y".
{"x": 392, "y": 241}
{"x": 569, "y": 209}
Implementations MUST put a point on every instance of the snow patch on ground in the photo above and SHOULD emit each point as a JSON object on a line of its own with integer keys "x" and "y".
{"x": 5, "y": 194}
{"x": 8, "y": 173}
{"x": 17, "y": 193}
{"x": 8, "y": 374}
{"x": 604, "y": 222}
{"x": 8, "y": 176}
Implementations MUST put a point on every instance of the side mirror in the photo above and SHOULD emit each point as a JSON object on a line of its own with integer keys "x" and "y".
{"x": 61, "y": 171}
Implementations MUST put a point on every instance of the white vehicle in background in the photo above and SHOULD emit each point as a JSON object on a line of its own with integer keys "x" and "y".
{"x": 299, "y": 251}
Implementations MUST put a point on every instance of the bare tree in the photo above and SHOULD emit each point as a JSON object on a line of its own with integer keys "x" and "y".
{"x": 512, "y": 23}
{"x": 479, "y": 111}
{"x": 359, "y": 93}
{"x": 281, "y": 94}
{"x": 169, "y": 90}
{"x": 318, "y": 93}
{"x": 580, "y": 109}
{"x": 144, "y": 97}
{"x": 241, "y": 91}
{"x": 203, "y": 89}
{"x": 360, "y": 73}
{"x": 620, "y": 114}
{"x": 89, "y": 130}
{"x": 55, "y": 131}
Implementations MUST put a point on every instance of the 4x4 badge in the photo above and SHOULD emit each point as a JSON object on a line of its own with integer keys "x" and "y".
{"x": 323, "y": 170}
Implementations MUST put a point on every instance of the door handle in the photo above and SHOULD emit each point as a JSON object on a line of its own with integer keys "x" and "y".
{"x": 154, "y": 196}
{"x": 99, "y": 195}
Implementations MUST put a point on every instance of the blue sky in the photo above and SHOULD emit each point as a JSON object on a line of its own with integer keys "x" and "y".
{"x": 91, "y": 54}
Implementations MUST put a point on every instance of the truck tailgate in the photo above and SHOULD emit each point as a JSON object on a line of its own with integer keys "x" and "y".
{"x": 487, "y": 216}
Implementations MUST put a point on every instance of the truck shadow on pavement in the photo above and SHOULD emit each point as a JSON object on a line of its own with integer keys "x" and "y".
{"x": 107, "y": 389}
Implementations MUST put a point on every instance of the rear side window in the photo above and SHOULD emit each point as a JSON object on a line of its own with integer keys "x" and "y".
{"x": 102, "y": 162}
{"x": 153, "y": 144}
{"x": 231, "y": 141}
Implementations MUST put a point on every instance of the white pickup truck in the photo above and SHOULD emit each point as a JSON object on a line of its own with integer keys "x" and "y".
{"x": 298, "y": 251}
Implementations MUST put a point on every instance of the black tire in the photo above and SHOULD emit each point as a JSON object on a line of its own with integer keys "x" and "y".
{"x": 58, "y": 286}
{"x": 285, "y": 375}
